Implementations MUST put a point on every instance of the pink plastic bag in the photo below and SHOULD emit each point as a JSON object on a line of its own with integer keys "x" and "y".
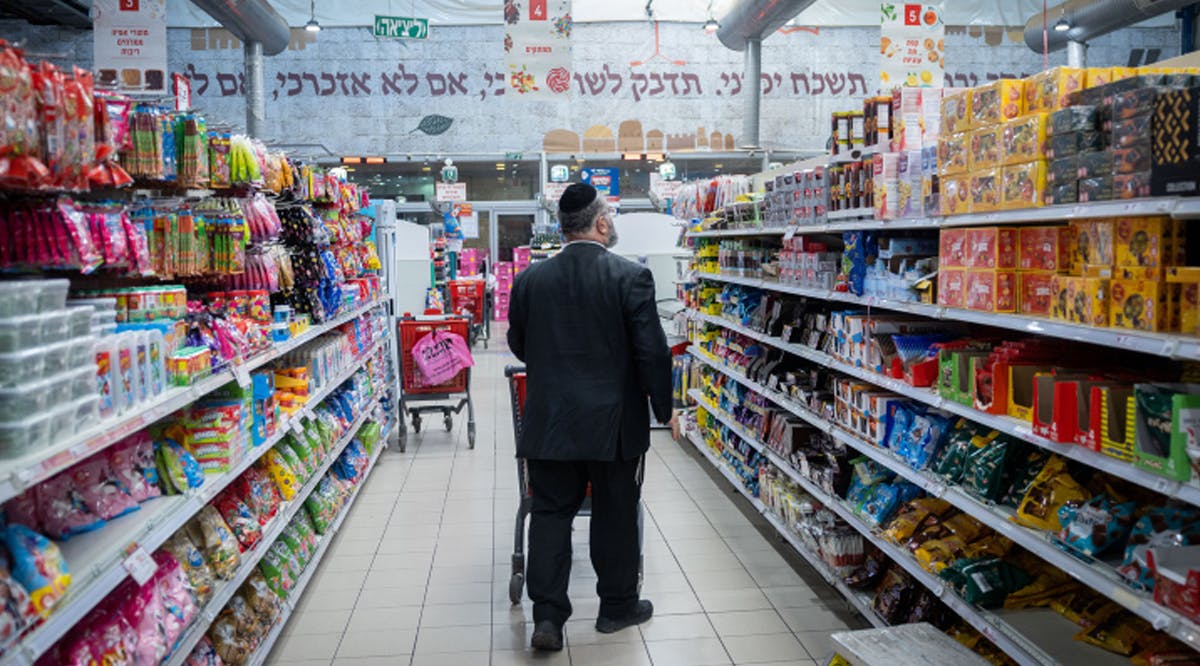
{"x": 440, "y": 356}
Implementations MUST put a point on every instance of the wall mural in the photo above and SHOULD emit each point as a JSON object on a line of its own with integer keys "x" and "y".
{"x": 645, "y": 84}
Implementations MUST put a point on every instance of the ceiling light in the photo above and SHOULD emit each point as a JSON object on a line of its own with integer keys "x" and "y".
{"x": 1063, "y": 25}
{"x": 711, "y": 26}
{"x": 312, "y": 25}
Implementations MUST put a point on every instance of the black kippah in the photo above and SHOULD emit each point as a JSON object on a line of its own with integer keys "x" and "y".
{"x": 576, "y": 197}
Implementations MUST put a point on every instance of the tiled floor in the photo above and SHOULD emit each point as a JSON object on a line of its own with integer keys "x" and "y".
{"x": 419, "y": 574}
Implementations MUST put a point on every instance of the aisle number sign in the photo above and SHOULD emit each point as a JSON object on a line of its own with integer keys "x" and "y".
{"x": 401, "y": 27}
{"x": 451, "y": 191}
{"x": 911, "y": 45}
{"x": 129, "y": 45}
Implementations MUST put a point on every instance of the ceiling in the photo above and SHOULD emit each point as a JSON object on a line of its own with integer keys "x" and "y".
{"x": 73, "y": 13}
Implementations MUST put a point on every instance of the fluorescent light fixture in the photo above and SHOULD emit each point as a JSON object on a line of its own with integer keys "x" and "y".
{"x": 631, "y": 156}
{"x": 375, "y": 160}
{"x": 711, "y": 26}
{"x": 312, "y": 25}
{"x": 1063, "y": 25}
{"x": 352, "y": 160}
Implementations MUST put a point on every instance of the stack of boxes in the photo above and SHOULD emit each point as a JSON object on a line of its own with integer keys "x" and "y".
{"x": 522, "y": 257}
{"x": 504, "y": 283}
{"x": 468, "y": 262}
{"x": 904, "y": 182}
{"x": 796, "y": 198}
{"x": 807, "y": 263}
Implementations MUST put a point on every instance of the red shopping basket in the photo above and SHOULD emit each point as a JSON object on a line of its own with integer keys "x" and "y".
{"x": 411, "y": 332}
{"x": 466, "y": 299}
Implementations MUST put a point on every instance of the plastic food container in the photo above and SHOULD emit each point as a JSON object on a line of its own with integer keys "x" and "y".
{"x": 81, "y": 383}
{"x": 18, "y": 438}
{"x": 82, "y": 352}
{"x": 17, "y": 298}
{"x": 22, "y": 367}
{"x": 17, "y": 333}
{"x": 52, "y": 294}
{"x": 80, "y": 319}
{"x": 85, "y": 412}
{"x": 57, "y": 358}
{"x": 18, "y": 403}
{"x": 62, "y": 423}
{"x": 55, "y": 326}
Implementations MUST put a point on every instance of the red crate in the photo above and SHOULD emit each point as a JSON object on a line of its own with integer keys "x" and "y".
{"x": 411, "y": 331}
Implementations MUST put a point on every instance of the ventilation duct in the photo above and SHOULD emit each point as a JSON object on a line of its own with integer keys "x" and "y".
{"x": 250, "y": 21}
{"x": 1089, "y": 19}
{"x": 757, "y": 19}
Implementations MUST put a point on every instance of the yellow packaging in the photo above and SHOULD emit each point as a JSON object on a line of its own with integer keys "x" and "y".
{"x": 1185, "y": 315}
{"x": 953, "y": 153}
{"x": 1024, "y": 139}
{"x": 1048, "y": 90}
{"x": 1143, "y": 242}
{"x": 997, "y": 101}
{"x": 985, "y": 190}
{"x": 1023, "y": 185}
{"x": 1119, "y": 73}
{"x": 1098, "y": 76}
{"x": 984, "y": 150}
{"x": 1139, "y": 304}
{"x": 956, "y": 195}
{"x": 956, "y": 111}
{"x": 1092, "y": 248}
{"x": 1080, "y": 300}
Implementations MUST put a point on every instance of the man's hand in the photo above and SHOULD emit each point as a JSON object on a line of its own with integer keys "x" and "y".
{"x": 675, "y": 425}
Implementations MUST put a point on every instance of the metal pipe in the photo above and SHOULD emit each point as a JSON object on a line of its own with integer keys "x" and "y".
{"x": 1088, "y": 19}
{"x": 752, "y": 82}
{"x": 757, "y": 19}
{"x": 1076, "y": 54}
{"x": 256, "y": 97}
{"x": 250, "y": 21}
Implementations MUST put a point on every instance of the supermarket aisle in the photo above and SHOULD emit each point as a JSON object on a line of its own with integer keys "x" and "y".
{"x": 419, "y": 573}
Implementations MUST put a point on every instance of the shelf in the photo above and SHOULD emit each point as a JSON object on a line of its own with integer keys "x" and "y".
{"x": 95, "y": 559}
{"x": 734, "y": 233}
{"x": 1097, "y": 575}
{"x": 224, "y": 590}
{"x": 1159, "y": 344}
{"x": 289, "y": 605}
{"x": 1005, "y": 424}
{"x": 21, "y": 473}
{"x": 860, "y": 601}
{"x": 996, "y": 630}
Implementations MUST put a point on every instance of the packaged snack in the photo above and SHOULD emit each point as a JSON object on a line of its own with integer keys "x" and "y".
{"x": 239, "y": 517}
{"x": 984, "y": 469}
{"x": 953, "y": 153}
{"x": 173, "y": 589}
{"x": 1024, "y": 186}
{"x": 277, "y": 569}
{"x": 260, "y": 598}
{"x": 955, "y": 196}
{"x": 179, "y": 469}
{"x": 985, "y": 191}
{"x": 1096, "y": 525}
{"x": 1139, "y": 305}
{"x": 99, "y": 488}
{"x": 955, "y": 111}
{"x": 61, "y": 511}
{"x": 997, "y": 101}
{"x": 1142, "y": 242}
{"x": 1038, "y": 248}
{"x": 1023, "y": 139}
{"x": 293, "y": 461}
{"x": 1051, "y": 89}
{"x": 991, "y": 290}
{"x": 1119, "y": 633}
{"x": 1131, "y": 159}
{"x": 1095, "y": 164}
{"x": 1035, "y": 293}
{"x": 1135, "y": 102}
{"x": 204, "y": 654}
{"x": 894, "y": 595}
{"x": 187, "y": 553}
{"x": 133, "y": 462}
{"x": 261, "y": 494}
{"x": 1078, "y": 144}
{"x": 1132, "y": 185}
{"x": 1063, "y": 194}
{"x": 985, "y": 146}
{"x": 209, "y": 531}
{"x": 1098, "y": 188}
{"x": 886, "y": 499}
{"x": 1052, "y": 489}
{"x": 1093, "y": 251}
{"x": 231, "y": 647}
{"x": 985, "y": 582}
{"x": 16, "y": 610}
{"x": 1174, "y": 525}
{"x": 281, "y": 473}
{"x": 1080, "y": 300}
{"x": 1063, "y": 170}
{"x": 1074, "y": 119}
{"x": 952, "y": 287}
{"x": 146, "y": 615}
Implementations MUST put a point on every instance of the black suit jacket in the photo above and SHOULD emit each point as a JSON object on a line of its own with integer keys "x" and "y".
{"x": 586, "y": 325}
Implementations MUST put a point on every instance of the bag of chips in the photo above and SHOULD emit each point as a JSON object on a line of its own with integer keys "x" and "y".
{"x": 239, "y": 517}
{"x": 286, "y": 481}
{"x": 209, "y": 531}
{"x": 16, "y": 610}
{"x": 38, "y": 565}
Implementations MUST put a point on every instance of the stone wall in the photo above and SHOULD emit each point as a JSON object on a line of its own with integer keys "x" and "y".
{"x": 356, "y": 94}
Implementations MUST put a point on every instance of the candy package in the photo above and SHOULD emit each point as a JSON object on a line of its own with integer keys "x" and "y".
{"x": 1052, "y": 488}
{"x": 230, "y": 646}
{"x": 147, "y": 616}
{"x": 261, "y": 599}
{"x": 239, "y": 517}
{"x": 985, "y": 469}
{"x": 985, "y": 582}
{"x": 189, "y": 556}
{"x": 1096, "y": 525}
{"x": 204, "y": 654}
{"x": 209, "y": 531}
{"x": 173, "y": 589}
{"x": 886, "y": 499}
{"x": 61, "y": 511}
{"x": 1158, "y": 527}
{"x": 281, "y": 473}
{"x": 178, "y": 468}
{"x": 133, "y": 462}
{"x": 16, "y": 609}
{"x": 276, "y": 567}
{"x": 894, "y": 595}
{"x": 100, "y": 489}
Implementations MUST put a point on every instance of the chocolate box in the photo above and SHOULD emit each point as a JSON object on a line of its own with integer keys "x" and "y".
{"x": 952, "y": 286}
{"x": 1175, "y": 144}
{"x": 991, "y": 247}
{"x": 1038, "y": 248}
{"x": 991, "y": 290}
{"x": 1035, "y": 292}
{"x": 1023, "y": 185}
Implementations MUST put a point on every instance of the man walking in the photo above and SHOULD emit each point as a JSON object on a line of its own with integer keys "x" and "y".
{"x": 585, "y": 324}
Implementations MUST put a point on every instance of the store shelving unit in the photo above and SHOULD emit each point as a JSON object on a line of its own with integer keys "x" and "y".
{"x": 996, "y": 627}
{"x": 21, "y": 473}
{"x": 96, "y": 559}
{"x": 223, "y": 591}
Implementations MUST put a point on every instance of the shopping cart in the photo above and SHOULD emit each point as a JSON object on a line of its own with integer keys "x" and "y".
{"x": 467, "y": 299}
{"x": 516, "y": 584}
{"x": 412, "y": 329}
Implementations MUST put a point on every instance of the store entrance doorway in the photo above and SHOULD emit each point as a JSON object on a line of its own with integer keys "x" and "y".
{"x": 513, "y": 230}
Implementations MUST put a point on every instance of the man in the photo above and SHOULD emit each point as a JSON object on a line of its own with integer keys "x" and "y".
{"x": 585, "y": 324}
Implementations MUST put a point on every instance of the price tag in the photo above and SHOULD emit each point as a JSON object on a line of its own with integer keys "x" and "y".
{"x": 242, "y": 375}
{"x": 789, "y": 233}
{"x": 139, "y": 564}
{"x": 24, "y": 477}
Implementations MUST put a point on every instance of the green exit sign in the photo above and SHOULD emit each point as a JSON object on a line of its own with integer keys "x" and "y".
{"x": 513, "y": 156}
{"x": 402, "y": 27}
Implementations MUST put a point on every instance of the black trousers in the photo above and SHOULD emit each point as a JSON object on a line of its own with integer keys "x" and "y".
{"x": 559, "y": 488}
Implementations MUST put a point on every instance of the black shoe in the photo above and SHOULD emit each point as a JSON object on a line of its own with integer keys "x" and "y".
{"x": 640, "y": 614}
{"x": 547, "y": 636}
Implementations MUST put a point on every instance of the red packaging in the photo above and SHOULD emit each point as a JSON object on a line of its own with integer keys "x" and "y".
{"x": 1035, "y": 293}
{"x": 952, "y": 248}
{"x": 20, "y": 144}
{"x": 952, "y": 287}
{"x": 991, "y": 247}
{"x": 1038, "y": 249}
{"x": 991, "y": 290}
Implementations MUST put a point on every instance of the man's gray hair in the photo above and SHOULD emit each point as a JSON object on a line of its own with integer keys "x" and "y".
{"x": 582, "y": 221}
